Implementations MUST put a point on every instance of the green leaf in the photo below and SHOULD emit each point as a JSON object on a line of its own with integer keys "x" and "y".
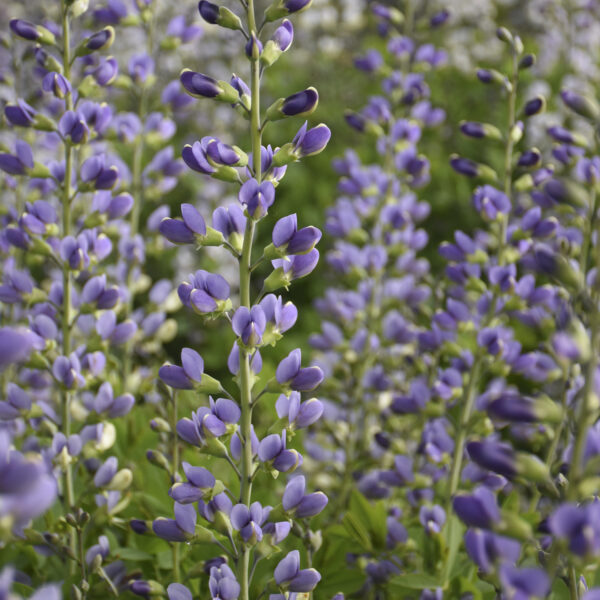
{"x": 357, "y": 531}
{"x": 372, "y": 515}
{"x": 133, "y": 554}
{"x": 453, "y": 534}
{"x": 413, "y": 581}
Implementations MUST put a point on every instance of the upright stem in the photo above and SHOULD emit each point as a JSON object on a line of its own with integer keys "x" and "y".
{"x": 174, "y": 470}
{"x": 137, "y": 187}
{"x": 461, "y": 437}
{"x": 587, "y": 408}
{"x": 69, "y": 497}
{"x": 508, "y": 153}
{"x": 245, "y": 264}
{"x": 470, "y": 393}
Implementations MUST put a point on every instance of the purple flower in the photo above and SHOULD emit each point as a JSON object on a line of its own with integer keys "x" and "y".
{"x": 222, "y": 583}
{"x": 288, "y": 574}
{"x": 205, "y": 292}
{"x": 199, "y": 485}
{"x": 72, "y": 125}
{"x": 299, "y": 414}
{"x": 300, "y": 104}
{"x": 308, "y": 142}
{"x": 141, "y": 66}
{"x": 299, "y": 504}
{"x": 27, "y": 490}
{"x": 95, "y": 172}
{"x": 249, "y": 325}
{"x": 524, "y": 583}
{"x": 290, "y": 373}
{"x": 29, "y": 31}
{"x": 106, "y": 72}
{"x": 186, "y": 231}
{"x": 579, "y": 526}
{"x": 181, "y": 528}
{"x": 57, "y": 84}
{"x": 207, "y": 423}
{"x": 178, "y": 591}
{"x": 257, "y": 197}
{"x": 490, "y": 202}
{"x": 106, "y": 402}
{"x": 486, "y": 548}
{"x": 478, "y": 509}
{"x": 18, "y": 163}
{"x": 186, "y": 376}
{"x": 280, "y": 317}
{"x": 273, "y": 450}
{"x": 248, "y": 521}
{"x": 20, "y": 114}
{"x": 288, "y": 239}
{"x": 432, "y": 518}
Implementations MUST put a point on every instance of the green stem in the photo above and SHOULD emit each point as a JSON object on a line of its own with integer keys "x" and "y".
{"x": 586, "y": 411}
{"x": 471, "y": 389}
{"x": 459, "y": 449}
{"x": 137, "y": 187}
{"x": 69, "y": 496}
{"x": 508, "y": 152}
{"x": 82, "y": 559}
{"x": 573, "y": 592}
{"x": 245, "y": 267}
{"x": 174, "y": 471}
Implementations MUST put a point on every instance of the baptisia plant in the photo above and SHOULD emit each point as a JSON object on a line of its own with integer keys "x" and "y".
{"x": 211, "y": 506}
{"x": 60, "y": 403}
{"x": 381, "y": 297}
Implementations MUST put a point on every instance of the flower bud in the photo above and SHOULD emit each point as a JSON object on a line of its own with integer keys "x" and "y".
{"x": 470, "y": 168}
{"x": 480, "y": 130}
{"x": 534, "y": 106}
{"x": 527, "y": 61}
{"x": 100, "y": 40}
{"x": 490, "y": 76}
{"x": 203, "y": 86}
{"x": 121, "y": 481}
{"x": 33, "y": 33}
{"x": 284, "y": 8}
{"x": 297, "y": 105}
{"x": 219, "y": 15}
{"x": 582, "y": 105}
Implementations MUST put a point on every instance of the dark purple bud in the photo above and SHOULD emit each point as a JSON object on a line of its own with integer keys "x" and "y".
{"x": 439, "y": 18}
{"x": 208, "y": 11}
{"x": 534, "y": 106}
{"x": 527, "y": 61}
{"x": 494, "y": 456}
{"x": 33, "y": 33}
{"x": 293, "y": 6}
{"x": 301, "y": 103}
{"x": 253, "y": 47}
{"x": 101, "y": 40}
{"x": 530, "y": 158}
{"x": 199, "y": 85}
{"x": 582, "y": 105}
{"x": 472, "y": 129}
{"x": 24, "y": 29}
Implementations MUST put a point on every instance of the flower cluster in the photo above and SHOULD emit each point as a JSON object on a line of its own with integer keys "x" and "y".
{"x": 212, "y": 506}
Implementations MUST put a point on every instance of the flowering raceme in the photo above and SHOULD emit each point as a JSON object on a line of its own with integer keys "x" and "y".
{"x": 437, "y": 437}
{"x": 236, "y": 524}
